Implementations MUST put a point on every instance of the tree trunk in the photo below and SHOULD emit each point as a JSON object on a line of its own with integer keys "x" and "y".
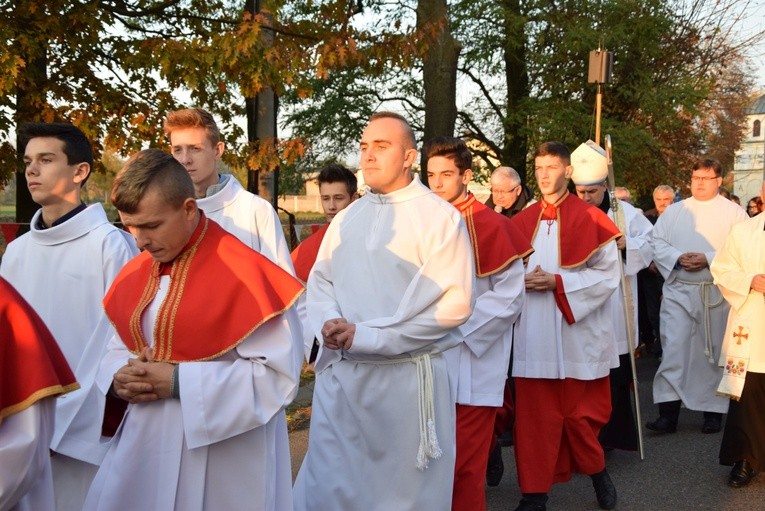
{"x": 439, "y": 75}
{"x": 261, "y": 125}
{"x": 29, "y": 106}
{"x": 515, "y": 146}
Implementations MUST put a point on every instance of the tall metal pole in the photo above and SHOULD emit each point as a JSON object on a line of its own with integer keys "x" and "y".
{"x": 598, "y": 108}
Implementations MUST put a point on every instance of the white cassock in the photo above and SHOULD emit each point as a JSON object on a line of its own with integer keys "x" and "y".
{"x": 25, "y": 476}
{"x": 222, "y": 445}
{"x": 478, "y": 365}
{"x": 639, "y": 254}
{"x": 400, "y": 267}
{"x": 692, "y": 334}
{"x": 741, "y": 258}
{"x": 250, "y": 218}
{"x": 548, "y": 347}
{"x": 64, "y": 272}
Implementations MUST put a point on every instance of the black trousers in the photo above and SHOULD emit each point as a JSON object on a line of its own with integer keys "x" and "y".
{"x": 744, "y": 435}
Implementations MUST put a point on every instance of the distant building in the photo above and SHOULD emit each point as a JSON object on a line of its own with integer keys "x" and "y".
{"x": 749, "y": 166}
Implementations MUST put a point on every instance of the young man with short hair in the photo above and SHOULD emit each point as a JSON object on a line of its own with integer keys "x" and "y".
{"x": 196, "y": 143}
{"x": 338, "y": 189}
{"x": 205, "y": 353}
{"x": 563, "y": 348}
{"x": 389, "y": 285}
{"x": 478, "y": 365}
{"x": 63, "y": 268}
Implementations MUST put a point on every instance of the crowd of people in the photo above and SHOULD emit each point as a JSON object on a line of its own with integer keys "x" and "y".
{"x": 150, "y": 368}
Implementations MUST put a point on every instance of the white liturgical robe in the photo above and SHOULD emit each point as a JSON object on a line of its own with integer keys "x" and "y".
{"x": 400, "y": 267}
{"x": 64, "y": 272}
{"x": 250, "y": 218}
{"x": 639, "y": 254}
{"x": 741, "y": 258}
{"x": 693, "y": 312}
{"x": 548, "y": 347}
{"x": 222, "y": 445}
{"x": 25, "y": 476}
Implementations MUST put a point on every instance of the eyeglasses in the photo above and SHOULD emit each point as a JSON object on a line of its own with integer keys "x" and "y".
{"x": 504, "y": 192}
{"x": 703, "y": 178}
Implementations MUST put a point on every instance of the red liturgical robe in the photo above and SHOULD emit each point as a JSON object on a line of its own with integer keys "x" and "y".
{"x": 304, "y": 254}
{"x": 31, "y": 362}
{"x": 495, "y": 242}
{"x": 215, "y": 277}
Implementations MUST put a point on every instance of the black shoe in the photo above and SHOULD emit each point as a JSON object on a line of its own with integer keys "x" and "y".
{"x": 662, "y": 425}
{"x": 741, "y": 474}
{"x": 605, "y": 490}
{"x": 506, "y": 439}
{"x": 495, "y": 467}
{"x": 530, "y": 505}
{"x": 712, "y": 424}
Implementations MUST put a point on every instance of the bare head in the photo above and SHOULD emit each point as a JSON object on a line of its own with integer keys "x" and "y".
{"x": 449, "y": 168}
{"x": 337, "y": 188}
{"x": 663, "y": 196}
{"x": 505, "y": 187}
{"x": 387, "y": 152}
{"x": 155, "y": 199}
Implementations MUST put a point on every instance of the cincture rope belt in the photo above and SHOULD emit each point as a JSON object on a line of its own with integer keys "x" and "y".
{"x": 429, "y": 447}
{"x": 704, "y": 292}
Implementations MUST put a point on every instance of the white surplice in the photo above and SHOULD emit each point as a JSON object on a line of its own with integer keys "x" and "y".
{"x": 400, "y": 267}
{"x": 250, "y": 218}
{"x": 25, "y": 475}
{"x": 478, "y": 365}
{"x": 741, "y": 258}
{"x": 64, "y": 272}
{"x": 639, "y": 254}
{"x": 222, "y": 445}
{"x": 692, "y": 339}
{"x": 546, "y": 346}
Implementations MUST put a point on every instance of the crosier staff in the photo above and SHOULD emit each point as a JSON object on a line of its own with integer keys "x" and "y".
{"x": 629, "y": 306}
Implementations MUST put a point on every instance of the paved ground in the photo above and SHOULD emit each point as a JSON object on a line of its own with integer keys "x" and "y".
{"x": 680, "y": 471}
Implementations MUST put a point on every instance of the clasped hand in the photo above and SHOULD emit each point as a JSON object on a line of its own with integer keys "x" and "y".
{"x": 142, "y": 380}
{"x": 539, "y": 280}
{"x": 692, "y": 261}
{"x": 338, "y": 334}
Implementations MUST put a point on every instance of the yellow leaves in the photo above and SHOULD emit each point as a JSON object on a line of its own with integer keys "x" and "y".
{"x": 269, "y": 154}
{"x": 138, "y": 119}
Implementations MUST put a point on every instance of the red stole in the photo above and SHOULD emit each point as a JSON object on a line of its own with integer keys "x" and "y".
{"x": 220, "y": 292}
{"x": 496, "y": 242}
{"x": 304, "y": 255}
{"x": 31, "y": 363}
{"x": 582, "y": 228}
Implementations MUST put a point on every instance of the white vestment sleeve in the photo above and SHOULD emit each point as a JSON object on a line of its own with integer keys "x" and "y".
{"x": 439, "y": 298}
{"x": 225, "y": 397}
{"x": 639, "y": 247}
{"x": 495, "y": 310}
{"x": 271, "y": 233}
{"x": 728, "y": 268}
{"x": 589, "y": 286}
{"x": 24, "y": 451}
{"x": 665, "y": 255}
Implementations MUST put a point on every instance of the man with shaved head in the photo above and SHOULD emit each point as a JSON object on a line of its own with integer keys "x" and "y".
{"x": 390, "y": 282}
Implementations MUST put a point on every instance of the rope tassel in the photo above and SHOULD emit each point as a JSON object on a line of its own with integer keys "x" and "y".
{"x": 429, "y": 447}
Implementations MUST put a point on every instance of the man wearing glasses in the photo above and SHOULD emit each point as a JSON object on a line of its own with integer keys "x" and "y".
{"x": 508, "y": 195}
{"x": 693, "y": 313}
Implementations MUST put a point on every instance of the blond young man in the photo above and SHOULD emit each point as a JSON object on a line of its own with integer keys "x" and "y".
{"x": 195, "y": 141}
